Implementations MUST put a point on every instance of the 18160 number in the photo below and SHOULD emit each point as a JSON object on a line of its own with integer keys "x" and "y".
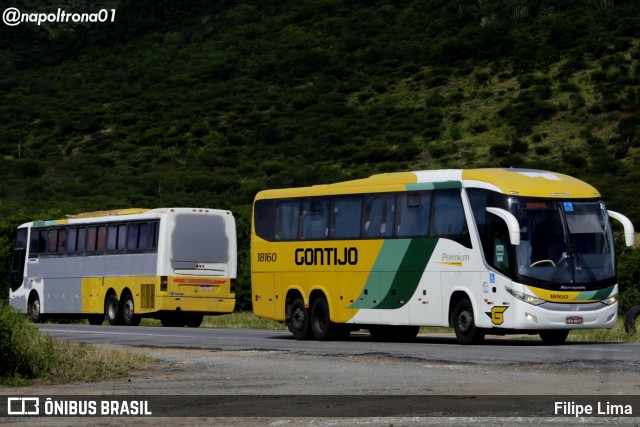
{"x": 267, "y": 257}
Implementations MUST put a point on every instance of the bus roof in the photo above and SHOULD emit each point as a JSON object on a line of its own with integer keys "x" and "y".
{"x": 521, "y": 182}
{"x": 118, "y": 214}
{"x": 113, "y": 212}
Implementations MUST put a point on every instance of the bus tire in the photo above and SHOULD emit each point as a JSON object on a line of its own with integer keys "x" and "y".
{"x": 34, "y": 310}
{"x": 394, "y": 333}
{"x": 194, "y": 320}
{"x": 321, "y": 325}
{"x": 299, "y": 321}
{"x": 630, "y": 319}
{"x": 175, "y": 320}
{"x": 463, "y": 322}
{"x": 96, "y": 319}
{"x": 129, "y": 317}
{"x": 554, "y": 337}
{"x": 112, "y": 310}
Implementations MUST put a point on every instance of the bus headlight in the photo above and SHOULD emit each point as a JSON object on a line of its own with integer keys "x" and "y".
{"x": 610, "y": 300}
{"x": 529, "y": 299}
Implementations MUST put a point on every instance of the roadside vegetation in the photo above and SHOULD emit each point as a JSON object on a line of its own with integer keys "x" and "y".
{"x": 26, "y": 355}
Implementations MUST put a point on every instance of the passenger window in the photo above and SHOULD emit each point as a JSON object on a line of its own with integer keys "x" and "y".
{"x": 62, "y": 241}
{"x": 315, "y": 214}
{"x": 72, "y": 242}
{"x": 52, "y": 240}
{"x": 345, "y": 217}
{"x": 287, "y": 214}
{"x": 102, "y": 237}
{"x": 413, "y": 214}
{"x": 448, "y": 217}
{"x": 43, "y": 241}
{"x": 152, "y": 237}
{"x": 132, "y": 237}
{"x": 379, "y": 216}
{"x": 112, "y": 236}
{"x": 92, "y": 238}
{"x": 82, "y": 233}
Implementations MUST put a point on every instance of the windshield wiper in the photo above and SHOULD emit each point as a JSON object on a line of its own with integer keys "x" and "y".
{"x": 576, "y": 253}
{"x": 552, "y": 279}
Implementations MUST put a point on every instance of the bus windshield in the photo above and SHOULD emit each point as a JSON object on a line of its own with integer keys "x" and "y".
{"x": 564, "y": 243}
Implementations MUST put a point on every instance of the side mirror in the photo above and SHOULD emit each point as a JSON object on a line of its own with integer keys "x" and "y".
{"x": 512, "y": 224}
{"x": 629, "y": 232}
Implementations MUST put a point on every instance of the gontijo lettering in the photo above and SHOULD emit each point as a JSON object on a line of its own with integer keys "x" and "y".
{"x": 326, "y": 256}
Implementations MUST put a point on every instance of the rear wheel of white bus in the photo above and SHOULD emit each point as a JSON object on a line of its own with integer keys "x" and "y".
{"x": 112, "y": 309}
{"x": 129, "y": 317}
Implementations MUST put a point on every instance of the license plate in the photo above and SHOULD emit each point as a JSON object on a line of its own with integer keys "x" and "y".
{"x": 574, "y": 320}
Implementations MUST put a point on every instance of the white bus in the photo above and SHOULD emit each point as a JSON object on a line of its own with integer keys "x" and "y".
{"x": 485, "y": 251}
{"x": 174, "y": 264}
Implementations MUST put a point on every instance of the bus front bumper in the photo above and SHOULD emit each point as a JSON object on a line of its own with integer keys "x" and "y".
{"x": 562, "y": 316}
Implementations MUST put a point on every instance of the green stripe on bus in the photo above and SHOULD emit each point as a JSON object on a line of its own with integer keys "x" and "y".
{"x": 409, "y": 273}
{"x": 434, "y": 185}
{"x": 595, "y": 295}
{"x": 382, "y": 273}
{"x": 396, "y": 273}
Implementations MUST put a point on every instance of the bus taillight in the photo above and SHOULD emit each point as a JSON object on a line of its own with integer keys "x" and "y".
{"x": 163, "y": 283}
{"x": 232, "y": 286}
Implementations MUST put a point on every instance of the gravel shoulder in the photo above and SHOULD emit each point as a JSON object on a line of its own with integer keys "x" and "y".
{"x": 211, "y": 372}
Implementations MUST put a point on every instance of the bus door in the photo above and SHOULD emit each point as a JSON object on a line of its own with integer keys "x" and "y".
{"x": 16, "y": 260}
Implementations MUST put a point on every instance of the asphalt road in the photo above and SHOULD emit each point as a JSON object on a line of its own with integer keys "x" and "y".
{"x": 432, "y": 348}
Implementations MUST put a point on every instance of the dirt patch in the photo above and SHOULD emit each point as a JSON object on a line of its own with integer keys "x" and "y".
{"x": 210, "y": 372}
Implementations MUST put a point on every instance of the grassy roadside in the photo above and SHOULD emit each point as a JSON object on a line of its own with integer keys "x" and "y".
{"x": 27, "y": 355}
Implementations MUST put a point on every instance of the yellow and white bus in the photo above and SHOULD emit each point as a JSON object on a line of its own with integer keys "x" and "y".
{"x": 175, "y": 264}
{"x": 485, "y": 251}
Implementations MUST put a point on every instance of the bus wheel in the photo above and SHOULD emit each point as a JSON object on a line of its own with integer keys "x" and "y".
{"x": 464, "y": 324}
{"x": 33, "y": 309}
{"x": 394, "y": 333}
{"x": 630, "y": 319}
{"x": 407, "y": 333}
{"x": 175, "y": 320}
{"x": 194, "y": 320}
{"x": 96, "y": 319}
{"x": 555, "y": 337}
{"x": 112, "y": 310}
{"x": 379, "y": 333}
{"x": 129, "y": 317}
{"x": 299, "y": 321}
{"x": 321, "y": 326}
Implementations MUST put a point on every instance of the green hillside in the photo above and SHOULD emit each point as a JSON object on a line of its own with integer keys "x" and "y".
{"x": 197, "y": 103}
